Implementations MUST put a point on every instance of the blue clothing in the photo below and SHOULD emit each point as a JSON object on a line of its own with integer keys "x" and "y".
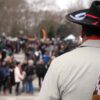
{"x": 29, "y": 87}
{"x": 46, "y": 58}
{"x": 5, "y": 71}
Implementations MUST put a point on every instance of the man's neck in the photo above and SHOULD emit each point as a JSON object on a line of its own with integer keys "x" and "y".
{"x": 93, "y": 37}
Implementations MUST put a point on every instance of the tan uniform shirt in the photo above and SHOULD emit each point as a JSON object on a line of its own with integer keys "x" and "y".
{"x": 73, "y": 75}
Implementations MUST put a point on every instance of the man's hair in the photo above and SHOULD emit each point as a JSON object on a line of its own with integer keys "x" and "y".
{"x": 90, "y": 30}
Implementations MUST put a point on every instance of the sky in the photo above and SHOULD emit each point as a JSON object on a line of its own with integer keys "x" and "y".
{"x": 61, "y": 4}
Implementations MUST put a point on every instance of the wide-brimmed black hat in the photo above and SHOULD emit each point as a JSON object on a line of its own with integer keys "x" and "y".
{"x": 87, "y": 17}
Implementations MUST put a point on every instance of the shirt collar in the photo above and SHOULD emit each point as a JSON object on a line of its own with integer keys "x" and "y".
{"x": 91, "y": 43}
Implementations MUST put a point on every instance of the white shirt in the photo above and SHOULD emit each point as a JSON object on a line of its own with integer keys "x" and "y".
{"x": 73, "y": 75}
{"x": 17, "y": 74}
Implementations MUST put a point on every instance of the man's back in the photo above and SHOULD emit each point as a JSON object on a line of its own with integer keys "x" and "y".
{"x": 73, "y": 75}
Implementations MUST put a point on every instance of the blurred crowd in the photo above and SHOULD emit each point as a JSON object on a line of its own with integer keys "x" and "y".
{"x": 38, "y": 56}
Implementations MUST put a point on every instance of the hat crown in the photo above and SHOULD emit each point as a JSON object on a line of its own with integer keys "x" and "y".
{"x": 95, "y": 9}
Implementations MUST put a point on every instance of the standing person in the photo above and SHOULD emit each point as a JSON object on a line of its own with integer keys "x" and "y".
{"x": 40, "y": 71}
{"x": 11, "y": 77}
{"x": 23, "y": 67}
{"x": 6, "y": 73}
{"x": 73, "y": 76}
{"x": 18, "y": 77}
{"x": 1, "y": 76}
{"x": 46, "y": 58}
{"x": 29, "y": 77}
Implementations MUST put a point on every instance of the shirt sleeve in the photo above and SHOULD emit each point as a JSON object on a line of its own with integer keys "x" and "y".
{"x": 19, "y": 74}
{"x": 50, "y": 90}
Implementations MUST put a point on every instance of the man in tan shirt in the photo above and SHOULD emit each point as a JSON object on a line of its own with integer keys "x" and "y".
{"x": 73, "y": 75}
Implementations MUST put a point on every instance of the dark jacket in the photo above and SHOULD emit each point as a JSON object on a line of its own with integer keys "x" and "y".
{"x": 40, "y": 70}
{"x": 30, "y": 70}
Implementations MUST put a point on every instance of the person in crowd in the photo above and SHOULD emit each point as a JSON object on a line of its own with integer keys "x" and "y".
{"x": 1, "y": 77}
{"x": 18, "y": 77}
{"x": 11, "y": 65}
{"x": 30, "y": 70}
{"x": 6, "y": 73}
{"x": 23, "y": 68}
{"x": 3, "y": 55}
{"x": 40, "y": 71}
{"x": 37, "y": 53}
{"x": 73, "y": 75}
{"x": 46, "y": 57}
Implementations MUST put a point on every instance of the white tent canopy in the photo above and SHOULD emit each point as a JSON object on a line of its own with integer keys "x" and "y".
{"x": 12, "y": 39}
{"x": 70, "y": 37}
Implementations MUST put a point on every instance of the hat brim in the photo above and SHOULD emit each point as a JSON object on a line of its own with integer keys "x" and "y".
{"x": 79, "y": 17}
